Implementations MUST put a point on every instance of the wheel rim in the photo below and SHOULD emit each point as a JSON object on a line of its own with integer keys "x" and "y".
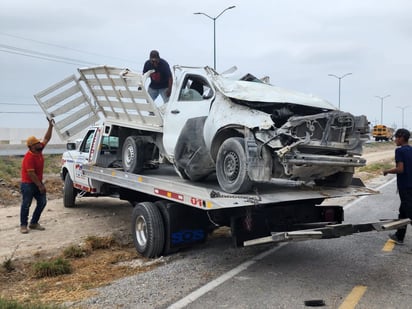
{"x": 231, "y": 166}
{"x": 129, "y": 155}
{"x": 141, "y": 231}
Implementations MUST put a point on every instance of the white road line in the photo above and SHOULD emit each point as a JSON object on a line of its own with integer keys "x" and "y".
{"x": 185, "y": 301}
{"x": 226, "y": 276}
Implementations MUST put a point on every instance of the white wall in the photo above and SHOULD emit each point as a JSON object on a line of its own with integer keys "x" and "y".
{"x": 15, "y": 136}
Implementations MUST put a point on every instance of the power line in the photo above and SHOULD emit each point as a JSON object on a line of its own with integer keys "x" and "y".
{"x": 21, "y": 112}
{"x": 26, "y": 104}
{"x": 44, "y": 56}
{"x": 65, "y": 47}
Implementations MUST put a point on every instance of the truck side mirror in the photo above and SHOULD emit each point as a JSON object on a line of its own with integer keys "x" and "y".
{"x": 71, "y": 146}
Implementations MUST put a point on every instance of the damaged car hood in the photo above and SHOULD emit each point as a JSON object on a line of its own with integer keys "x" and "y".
{"x": 261, "y": 92}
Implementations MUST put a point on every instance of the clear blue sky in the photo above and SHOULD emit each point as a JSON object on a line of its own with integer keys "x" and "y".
{"x": 295, "y": 42}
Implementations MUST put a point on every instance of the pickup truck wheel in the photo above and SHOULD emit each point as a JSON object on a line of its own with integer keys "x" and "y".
{"x": 133, "y": 155}
{"x": 338, "y": 180}
{"x": 148, "y": 229}
{"x": 231, "y": 166}
{"x": 69, "y": 192}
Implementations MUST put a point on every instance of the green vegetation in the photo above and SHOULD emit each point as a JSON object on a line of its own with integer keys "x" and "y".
{"x": 10, "y": 166}
{"x": 376, "y": 167}
{"x": 8, "y": 265}
{"x": 52, "y": 268}
{"x": 94, "y": 242}
{"x": 74, "y": 251}
{"x": 11, "y": 304}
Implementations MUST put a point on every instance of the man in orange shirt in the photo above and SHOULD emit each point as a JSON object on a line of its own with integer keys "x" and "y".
{"x": 32, "y": 182}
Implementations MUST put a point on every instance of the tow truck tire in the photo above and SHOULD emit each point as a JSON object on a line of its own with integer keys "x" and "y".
{"x": 148, "y": 229}
{"x": 231, "y": 166}
{"x": 133, "y": 155}
{"x": 162, "y": 206}
{"x": 69, "y": 192}
{"x": 338, "y": 180}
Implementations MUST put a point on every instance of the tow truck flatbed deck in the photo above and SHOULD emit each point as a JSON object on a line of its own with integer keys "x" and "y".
{"x": 165, "y": 184}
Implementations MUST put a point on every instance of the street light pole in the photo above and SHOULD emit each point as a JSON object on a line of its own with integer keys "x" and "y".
{"x": 403, "y": 114}
{"x": 340, "y": 78}
{"x": 382, "y": 98}
{"x": 214, "y": 29}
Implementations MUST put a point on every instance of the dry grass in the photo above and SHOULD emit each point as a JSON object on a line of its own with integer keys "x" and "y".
{"x": 10, "y": 179}
{"x": 98, "y": 268}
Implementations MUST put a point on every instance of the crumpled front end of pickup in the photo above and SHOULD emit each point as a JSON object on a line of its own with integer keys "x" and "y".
{"x": 314, "y": 147}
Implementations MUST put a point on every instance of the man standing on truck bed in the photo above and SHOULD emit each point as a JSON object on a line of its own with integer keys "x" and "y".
{"x": 403, "y": 171}
{"x": 161, "y": 78}
{"x": 32, "y": 181}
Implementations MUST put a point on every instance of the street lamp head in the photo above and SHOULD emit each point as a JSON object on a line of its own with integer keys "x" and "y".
{"x": 340, "y": 77}
{"x": 387, "y": 96}
{"x": 214, "y": 29}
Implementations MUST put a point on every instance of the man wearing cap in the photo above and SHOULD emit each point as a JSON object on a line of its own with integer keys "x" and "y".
{"x": 161, "y": 78}
{"x": 32, "y": 182}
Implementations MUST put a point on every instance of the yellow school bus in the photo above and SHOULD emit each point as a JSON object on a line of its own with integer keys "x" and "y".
{"x": 382, "y": 133}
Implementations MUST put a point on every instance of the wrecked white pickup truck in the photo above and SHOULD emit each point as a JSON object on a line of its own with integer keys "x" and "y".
{"x": 245, "y": 131}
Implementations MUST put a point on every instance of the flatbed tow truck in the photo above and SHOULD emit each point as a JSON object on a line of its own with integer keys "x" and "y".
{"x": 177, "y": 213}
{"x": 177, "y": 203}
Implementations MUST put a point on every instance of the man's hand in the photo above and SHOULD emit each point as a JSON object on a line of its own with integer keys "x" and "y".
{"x": 42, "y": 188}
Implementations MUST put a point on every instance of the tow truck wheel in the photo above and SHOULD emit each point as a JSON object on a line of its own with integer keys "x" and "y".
{"x": 148, "y": 229}
{"x": 133, "y": 155}
{"x": 69, "y": 192}
{"x": 231, "y": 166}
{"x": 162, "y": 206}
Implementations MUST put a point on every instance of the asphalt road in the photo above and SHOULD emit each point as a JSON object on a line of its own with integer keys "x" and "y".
{"x": 363, "y": 270}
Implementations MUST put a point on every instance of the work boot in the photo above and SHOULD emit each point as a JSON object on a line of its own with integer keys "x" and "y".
{"x": 36, "y": 226}
{"x": 23, "y": 229}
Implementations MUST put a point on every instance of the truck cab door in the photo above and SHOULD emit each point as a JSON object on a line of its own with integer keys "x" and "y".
{"x": 192, "y": 99}
{"x": 84, "y": 155}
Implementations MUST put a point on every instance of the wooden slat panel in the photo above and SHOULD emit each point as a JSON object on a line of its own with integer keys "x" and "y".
{"x": 106, "y": 82}
{"x": 68, "y": 106}
{"x": 108, "y": 92}
{"x": 127, "y": 105}
{"x": 56, "y": 86}
{"x": 101, "y": 70}
{"x": 79, "y": 127}
{"x": 61, "y": 96}
{"x": 73, "y": 117}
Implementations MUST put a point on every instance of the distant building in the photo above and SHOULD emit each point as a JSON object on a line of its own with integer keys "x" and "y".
{"x": 16, "y": 136}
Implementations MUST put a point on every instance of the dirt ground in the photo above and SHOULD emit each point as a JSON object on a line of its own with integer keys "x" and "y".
{"x": 102, "y": 217}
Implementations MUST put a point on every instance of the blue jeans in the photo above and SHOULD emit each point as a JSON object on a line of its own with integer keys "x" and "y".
{"x": 28, "y": 192}
{"x": 154, "y": 93}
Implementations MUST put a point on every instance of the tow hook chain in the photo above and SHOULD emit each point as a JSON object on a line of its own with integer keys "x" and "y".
{"x": 249, "y": 198}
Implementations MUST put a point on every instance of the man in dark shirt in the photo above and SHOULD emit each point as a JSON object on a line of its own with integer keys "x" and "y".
{"x": 161, "y": 78}
{"x": 403, "y": 171}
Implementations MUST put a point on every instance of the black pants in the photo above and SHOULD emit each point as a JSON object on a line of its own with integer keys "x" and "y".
{"x": 405, "y": 210}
